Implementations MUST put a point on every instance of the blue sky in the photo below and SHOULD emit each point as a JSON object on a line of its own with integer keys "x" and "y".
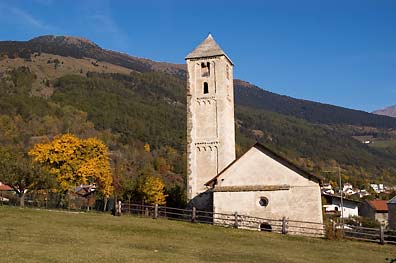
{"x": 336, "y": 52}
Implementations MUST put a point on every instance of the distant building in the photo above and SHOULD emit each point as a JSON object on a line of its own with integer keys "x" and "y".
{"x": 333, "y": 206}
{"x": 376, "y": 210}
{"x": 327, "y": 189}
{"x": 363, "y": 193}
{"x": 85, "y": 190}
{"x": 4, "y": 187}
{"x": 348, "y": 189}
{"x": 392, "y": 213}
{"x": 378, "y": 188}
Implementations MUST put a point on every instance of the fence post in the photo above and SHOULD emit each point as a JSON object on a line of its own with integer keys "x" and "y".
{"x": 236, "y": 219}
{"x": 381, "y": 235}
{"x": 284, "y": 225}
{"x": 156, "y": 211}
{"x": 193, "y": 214}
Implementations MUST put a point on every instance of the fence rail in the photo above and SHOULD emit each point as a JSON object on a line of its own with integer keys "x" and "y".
{"x": 283, "y": 225}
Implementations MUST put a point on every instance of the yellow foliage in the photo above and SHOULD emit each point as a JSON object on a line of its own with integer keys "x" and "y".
{"x": 147, "y": 147}
{"x": 75, "y": 161}
{"x": 152, "y": 188}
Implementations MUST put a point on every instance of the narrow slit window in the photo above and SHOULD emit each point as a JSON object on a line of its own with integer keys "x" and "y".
{"x": 205, "y": 88}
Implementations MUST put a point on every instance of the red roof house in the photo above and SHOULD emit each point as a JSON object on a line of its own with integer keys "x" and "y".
{"x": 4, "y": 187}
{"x": 376, "y": 210}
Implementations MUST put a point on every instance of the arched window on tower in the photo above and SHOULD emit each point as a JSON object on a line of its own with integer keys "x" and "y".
{"x": 205, "y": 88}
{"x": 205, "y": 69}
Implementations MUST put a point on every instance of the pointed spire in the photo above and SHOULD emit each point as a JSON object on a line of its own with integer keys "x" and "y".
{"x": 208, "y": 48}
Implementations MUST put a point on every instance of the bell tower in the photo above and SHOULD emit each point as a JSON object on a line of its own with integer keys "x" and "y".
{"x": 210, "y": 117}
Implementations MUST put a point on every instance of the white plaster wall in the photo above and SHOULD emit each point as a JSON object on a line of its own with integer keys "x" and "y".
{"x": 294, "y": 204}
{"x": 350, "y": 208}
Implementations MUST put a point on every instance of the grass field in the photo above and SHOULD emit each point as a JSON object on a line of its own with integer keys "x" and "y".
{"x": 29, "y": 235}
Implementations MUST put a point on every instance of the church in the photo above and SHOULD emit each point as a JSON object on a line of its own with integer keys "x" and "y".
{"x": 260, "y": 183}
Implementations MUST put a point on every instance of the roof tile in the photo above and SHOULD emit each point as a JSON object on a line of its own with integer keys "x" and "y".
{"x": 379, "y": 205}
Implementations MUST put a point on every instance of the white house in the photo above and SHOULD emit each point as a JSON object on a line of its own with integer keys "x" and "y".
{"x": 333, "y": 206}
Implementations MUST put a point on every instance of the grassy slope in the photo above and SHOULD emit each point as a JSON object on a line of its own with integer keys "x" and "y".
{"x": 49, "y": 236}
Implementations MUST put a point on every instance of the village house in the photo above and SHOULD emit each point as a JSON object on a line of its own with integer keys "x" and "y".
{"x": 362, "y": 193}
{"x": 327, "y": 189}
{"x": 348, "y": 189}
{"x": 378, "y": 188}
{"x": 4, "y": 189}
{"x": 375, "y": 210}
{"x": 261, "y": 183}
{"x": 392, "y": 213}
{"x": 333, "y": 206}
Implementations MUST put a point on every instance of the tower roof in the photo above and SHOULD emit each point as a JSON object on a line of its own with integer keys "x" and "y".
{"x": 208, "y": 48}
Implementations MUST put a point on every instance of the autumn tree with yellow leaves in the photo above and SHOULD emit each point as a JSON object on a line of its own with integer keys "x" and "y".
{"x": 151, "y": 189}
{"x": 76, "y": 161}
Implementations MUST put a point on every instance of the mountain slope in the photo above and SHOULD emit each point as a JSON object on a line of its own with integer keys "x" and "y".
{"x": 79, "y": 48}
{"x": 388, "y": 111}
{"x": 145, "y": 103}
{"x": 246, "y": 94}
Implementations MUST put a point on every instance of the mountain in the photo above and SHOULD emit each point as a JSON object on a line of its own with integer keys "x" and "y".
{"x": 251, "y": 95}
{"x": 52, "y": 85}
{"x": 78, "y": 47}
{"x": 246, "y": 94}
{"x": 388, "y": 111}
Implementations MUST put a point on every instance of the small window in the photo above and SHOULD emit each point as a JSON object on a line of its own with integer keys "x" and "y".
{"x": 227, "y": 72}
{"x": 206, "y": 88}
{"x": 265, "y": 227}
{"x": 263, "y": 201}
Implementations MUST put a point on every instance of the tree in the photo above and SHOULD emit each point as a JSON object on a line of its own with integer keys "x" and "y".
{"x": 20, "y": 173}
{"x": 152, "y": 189}
{"x": 76, "y": 161}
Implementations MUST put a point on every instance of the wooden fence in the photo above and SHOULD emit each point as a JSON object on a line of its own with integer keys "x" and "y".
{"x": 278, "y": 225}
{"x": 281, "y": 225}
{"x": 380, "y": 235}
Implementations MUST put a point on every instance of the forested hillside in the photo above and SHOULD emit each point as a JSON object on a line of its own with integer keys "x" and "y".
{"x": 141, "y": 116}
{"x": 246, "y": 94}
{"x": 253, "y": 96}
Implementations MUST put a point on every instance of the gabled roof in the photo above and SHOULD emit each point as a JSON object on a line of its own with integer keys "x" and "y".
{"x": 379, "y": 205}
{"x": 276, "y": 157}
{"x": 208, "y": 48}
{"x": 392, "y": 201}
{"x": 4, "y": 187}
